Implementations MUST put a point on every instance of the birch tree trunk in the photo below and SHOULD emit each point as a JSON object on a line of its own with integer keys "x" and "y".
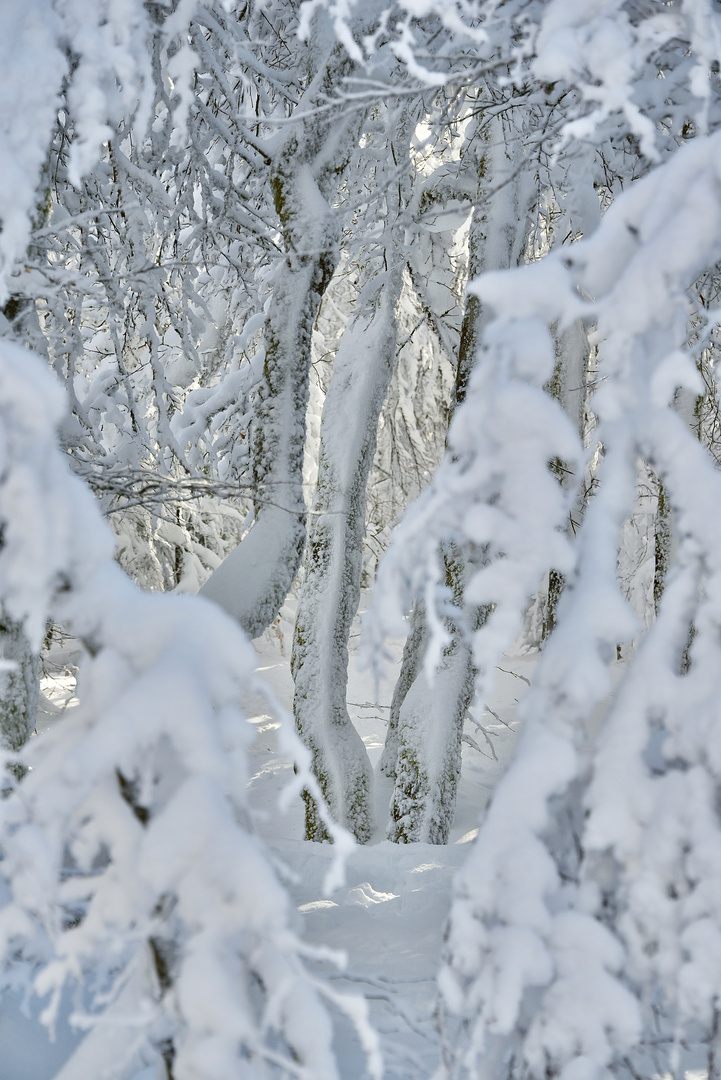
{"x": 253, "y": 581}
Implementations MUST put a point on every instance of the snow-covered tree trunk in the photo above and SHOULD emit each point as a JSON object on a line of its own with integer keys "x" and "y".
{"x": 429, "y": 751}
{"x": 253, "y": 581}
{"x": 362, "y": 372}
{"x": 19, "y": 662}
{"x": 411, "y": 664}
{"x": 18, "y": 684}
{"x": 429, "y": 735}
{"x": 569, "y": 386}
{"x": 423, "y": 742}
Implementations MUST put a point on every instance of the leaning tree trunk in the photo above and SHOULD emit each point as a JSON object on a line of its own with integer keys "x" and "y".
{"x": 253, "y": 581}
{"x": 411, "y": 664}
{"x": 329, "y": 599}
{"x": 331, "y": 588}
{"x": 429, "y": 735}
{"x": 423, "y": 741}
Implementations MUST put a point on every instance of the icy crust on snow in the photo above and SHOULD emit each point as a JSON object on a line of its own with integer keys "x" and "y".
{"x": 388, "y": 919}
{"x": 127, "y": 846}
{"x": 389, "y": 915}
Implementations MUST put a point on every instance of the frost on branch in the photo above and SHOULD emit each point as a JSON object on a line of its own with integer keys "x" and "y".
{"x": 127, "y": 847}
{"x": 109, "y": 79}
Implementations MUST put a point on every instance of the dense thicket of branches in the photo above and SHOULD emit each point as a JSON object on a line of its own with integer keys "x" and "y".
{"x": 278, "y": 256}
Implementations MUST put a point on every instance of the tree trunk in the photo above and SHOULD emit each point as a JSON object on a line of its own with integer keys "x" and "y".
{"x": 429, "y": 749}
{"x": 18, "y": 685}
{"x": 413, "y": 653}
{"x": 423, "y": 742}
{"x": 331, "y": 588}
{"x": 329, "y": 599}
{"x": 569, "y": 386}
{"x": 255, "y": 578}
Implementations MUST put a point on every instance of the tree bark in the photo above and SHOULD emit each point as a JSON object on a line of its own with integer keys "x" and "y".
{"x": 423, "y": 741}
{"x": 18, "y": 685}
{"x": 255, "y": 578}
{"x": 331, "y": 588}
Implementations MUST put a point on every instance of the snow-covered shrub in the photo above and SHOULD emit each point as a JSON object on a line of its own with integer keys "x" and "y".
{"x": 127, "y": 846}
{"x": 583, "y": 935}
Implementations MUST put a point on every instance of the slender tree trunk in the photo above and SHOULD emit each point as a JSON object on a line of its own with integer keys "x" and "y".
{"x": 329, "y": 599}
{"x": 423, "y": 742}
{"x": 253, "y": 581}
{"x": 429, "y": 749}
{"x": 413, "y": 653}
{"x": 569, "y": 386}
{"x": 331, "y": 588}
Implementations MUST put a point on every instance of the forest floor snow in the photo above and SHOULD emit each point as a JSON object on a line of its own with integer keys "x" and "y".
{"x": 388, "y": 917}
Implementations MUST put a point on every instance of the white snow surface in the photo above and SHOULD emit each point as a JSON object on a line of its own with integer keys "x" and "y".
{"x": 388, "y": 917}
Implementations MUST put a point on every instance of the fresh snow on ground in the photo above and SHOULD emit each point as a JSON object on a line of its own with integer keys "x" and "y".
{"x": 388, "y": 917}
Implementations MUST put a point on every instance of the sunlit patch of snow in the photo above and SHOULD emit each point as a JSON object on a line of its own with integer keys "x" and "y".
{"x": 273, "y": 725}
{"x": 271, "y": 767}
{"x": 317, "y": 905}
{"x": 260, "y": 718}
{"x": 467, "y": 837}
{"x": 689, "y": 1074}
{"x": 365, "y": 895}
